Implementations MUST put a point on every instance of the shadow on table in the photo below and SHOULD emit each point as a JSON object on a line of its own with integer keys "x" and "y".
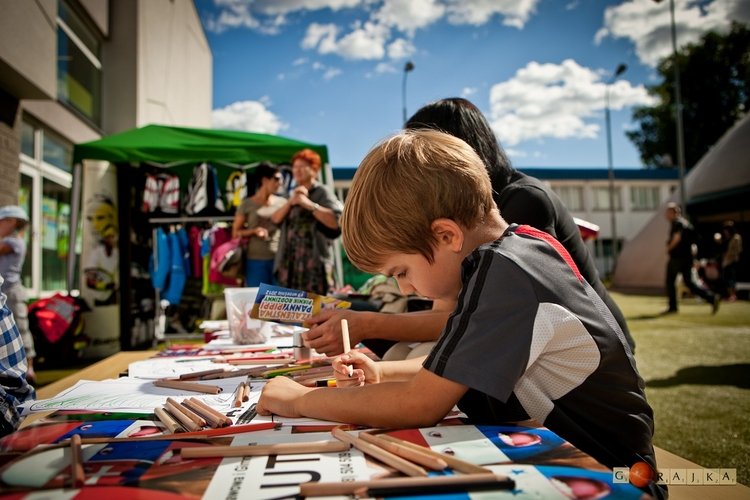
{"x": 737, "y": 375}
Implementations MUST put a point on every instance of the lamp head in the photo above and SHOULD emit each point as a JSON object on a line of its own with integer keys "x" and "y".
{"x": 621, "y": 68}
{"x": 408, "y": 66}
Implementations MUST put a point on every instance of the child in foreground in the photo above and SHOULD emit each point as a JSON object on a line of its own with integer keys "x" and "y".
{"x": 529, "y": 339}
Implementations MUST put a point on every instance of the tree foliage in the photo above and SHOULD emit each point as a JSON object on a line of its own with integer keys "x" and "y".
{"x": 715, "y": 90}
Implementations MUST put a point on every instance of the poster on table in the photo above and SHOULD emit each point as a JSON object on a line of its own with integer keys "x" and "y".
{"x": 99, "y": 257}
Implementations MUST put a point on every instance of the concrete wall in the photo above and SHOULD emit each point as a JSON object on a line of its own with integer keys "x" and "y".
{"x": 174, "y": 74}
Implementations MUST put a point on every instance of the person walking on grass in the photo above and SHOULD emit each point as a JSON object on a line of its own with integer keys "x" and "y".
{"x": 681, "y": 259}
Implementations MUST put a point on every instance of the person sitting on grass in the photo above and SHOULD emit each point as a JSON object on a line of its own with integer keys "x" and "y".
{"x": 529, "y": 338}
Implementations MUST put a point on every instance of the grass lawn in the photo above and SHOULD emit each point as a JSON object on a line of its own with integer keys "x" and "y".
{"x": 697, "y": 372}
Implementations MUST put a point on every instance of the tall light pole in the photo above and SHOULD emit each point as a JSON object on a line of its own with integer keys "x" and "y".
{"x": 409, "y": 66}
{"x": 678, "y": 112}
{"x": 611, "y": 171}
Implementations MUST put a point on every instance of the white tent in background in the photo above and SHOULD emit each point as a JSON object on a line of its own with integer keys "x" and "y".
{"x": 717, "y": 189}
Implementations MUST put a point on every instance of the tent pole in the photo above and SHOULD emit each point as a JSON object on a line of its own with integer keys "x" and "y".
{"x": 75, "y": 208}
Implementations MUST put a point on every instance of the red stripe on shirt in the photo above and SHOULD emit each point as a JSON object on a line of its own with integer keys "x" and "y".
{"x": 536, "y": 233}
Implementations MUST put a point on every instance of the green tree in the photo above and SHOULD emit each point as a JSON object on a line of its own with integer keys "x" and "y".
{"x": 715, "y": 85}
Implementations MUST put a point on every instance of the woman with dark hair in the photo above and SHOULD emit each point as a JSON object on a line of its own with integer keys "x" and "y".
{"x": 521, "y": 199}
{"x": 253, "y": 223}
{"x": 309, "y": 223}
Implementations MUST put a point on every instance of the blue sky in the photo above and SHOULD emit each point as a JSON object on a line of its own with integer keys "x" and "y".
{"x": 331, "y": 71}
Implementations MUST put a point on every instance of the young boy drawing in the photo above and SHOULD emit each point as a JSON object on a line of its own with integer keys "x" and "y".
{"x": 542, "y": 345}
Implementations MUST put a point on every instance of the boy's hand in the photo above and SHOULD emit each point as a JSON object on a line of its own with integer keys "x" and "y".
{"x": 366, "y": 371}
{"x": 325, "y": 331}
{"x": 279, "y": 397}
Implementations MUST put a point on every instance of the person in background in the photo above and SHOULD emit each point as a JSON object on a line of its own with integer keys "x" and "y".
{"x": 681, "y": 260}
{"x": 529, "y": 338}
{"x": 14, "y": 388}
{"x": 521, "y": 199}
{"x": 309, "y": 223}
{"x": 730, "y": 258}
{"x": 252, "y": 222}
{"x": 13, "y": 221}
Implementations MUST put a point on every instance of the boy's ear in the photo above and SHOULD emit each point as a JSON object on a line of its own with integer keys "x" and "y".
{"x": 448, "y": 233}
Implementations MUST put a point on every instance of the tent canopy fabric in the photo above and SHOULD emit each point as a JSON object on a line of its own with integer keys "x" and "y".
{"x": 181, "y": 145}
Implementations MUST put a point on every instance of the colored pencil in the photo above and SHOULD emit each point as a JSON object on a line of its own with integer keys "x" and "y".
{"x": 347, "y": 343}
{"x": 170, "y": 423}
{"x": 211, "y": 419}
{"x": 283, "y": 371}
{"x": 423, "y": 459}
{"x": 187, "y": 419}
{"x": 216, "y": 413}
{"x": 404, "y": 486}
{"x": 265, "y": 449}
{"x": 454, "y": 463}
{"x": 188, "y": 386}
{"x": 77, "y": 474}
{"x": 197, "y": 375}
{"x": 238, "y": 392}
{"x": 398, "y": 463}
{"x": 201, "y": 434}
{"x": 245, "y": 392}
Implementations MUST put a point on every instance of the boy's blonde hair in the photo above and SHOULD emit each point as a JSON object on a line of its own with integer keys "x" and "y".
{"x": 404, "y": 184}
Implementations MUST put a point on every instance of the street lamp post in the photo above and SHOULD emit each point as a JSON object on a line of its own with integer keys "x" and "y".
{"x": 409, "y": 66}
{"x": 611, "y": 172}
{"x": 678, "y": 111}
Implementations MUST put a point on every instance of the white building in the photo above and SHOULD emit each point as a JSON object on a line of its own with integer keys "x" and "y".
{"x": 638, "y": 194}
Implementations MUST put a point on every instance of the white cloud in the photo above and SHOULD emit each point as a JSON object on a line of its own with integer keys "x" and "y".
{"x": 249, "y": 116}
{"x": 400, "y": 48}
{"x": 514, "y": 13}
{"x": 648, "y": 24}
{"x": 331, "y": 73}
{"x": 556, "y": 100}
{"x": 468, "y": 91}
{"x": 366, "y": 41}
{"x": 409, "y": 15}
{"x": 385, "y": 67}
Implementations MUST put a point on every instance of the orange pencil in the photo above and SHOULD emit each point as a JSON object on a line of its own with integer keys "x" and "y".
{"x": 77, "y": 474}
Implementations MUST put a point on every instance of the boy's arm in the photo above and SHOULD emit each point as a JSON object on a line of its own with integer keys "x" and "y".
{"x": 325, "y": 333}
{"x": 418, "y": 402}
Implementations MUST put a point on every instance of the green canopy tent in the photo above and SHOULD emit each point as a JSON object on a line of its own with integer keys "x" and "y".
{"x": 183, "y": 145}
{"x": 167, "y": 146}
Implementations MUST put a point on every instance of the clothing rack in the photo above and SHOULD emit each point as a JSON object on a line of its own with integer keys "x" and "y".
{"x": 161, "y": 305}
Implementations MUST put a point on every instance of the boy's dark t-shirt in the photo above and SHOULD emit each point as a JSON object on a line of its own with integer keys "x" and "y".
{"x": 532, "y": 339}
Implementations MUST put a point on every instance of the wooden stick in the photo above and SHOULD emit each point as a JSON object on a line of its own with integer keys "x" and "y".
{"x": 188, "y": 386}
{"x": 454, "y": 463}
{"x": 347, "y": 343}
{"x": 229, "y": 374}
{"x": 199, "y": 435}
{"x": 211, "y": 419}
{"x": 429, "y": 461}
{"x": 198, "y": 375}
{"x": 258, "y": 361}
{"x": 399, "y": 486}
{"x": 238, "y": 396}
{"x": 245, "y": 392}
{"x": 398, "y": 463}
{"x": 265, "y": 449}
{"x": 170, "y": 423}
{"x": 216, "y": 413}
{"x": 179, "y": 412}
{"x": 77, "y": 474}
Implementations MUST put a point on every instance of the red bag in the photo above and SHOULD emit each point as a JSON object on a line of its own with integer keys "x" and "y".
{"x": 227, "y": 259}
{"x": 56, "y": 315}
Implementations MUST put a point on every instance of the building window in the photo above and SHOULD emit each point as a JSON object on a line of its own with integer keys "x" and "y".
{"x": 571, "y": 196}
{"x": 601, "y": 198}
{"x": 45, "y": 194}
{"x": 78, "y": 65}
{"x": 644, "y": 198}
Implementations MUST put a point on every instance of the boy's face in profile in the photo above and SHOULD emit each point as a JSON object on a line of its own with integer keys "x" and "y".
{"x": 440, "y": 280}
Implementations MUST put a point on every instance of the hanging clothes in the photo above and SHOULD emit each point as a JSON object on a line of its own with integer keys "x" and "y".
{"x": 159, "y": 269}
{"x": 177, "y": 271}
{"x": 203, "y": 196}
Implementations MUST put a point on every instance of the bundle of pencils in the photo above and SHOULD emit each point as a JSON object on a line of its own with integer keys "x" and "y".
{"x": 192, "y": 415}
{"x": 413, "y": 461}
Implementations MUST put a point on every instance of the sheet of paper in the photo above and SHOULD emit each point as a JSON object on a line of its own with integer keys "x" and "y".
{"x": 128, "y": 394}
{"x": 168, "y": 367}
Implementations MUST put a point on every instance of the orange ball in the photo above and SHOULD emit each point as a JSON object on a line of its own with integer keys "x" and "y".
{"x": 641, "y": 474}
